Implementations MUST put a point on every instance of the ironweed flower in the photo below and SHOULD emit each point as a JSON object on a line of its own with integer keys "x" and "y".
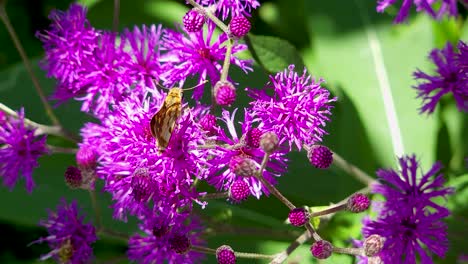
{"x": 409, "y": 220}
{"x": 19, "y": 151}
{"x": 231, "y": 7}
{"x": 160, "y": 247}
{"x": 69, "y": 237}
{"x": 134, "y": 171}
{"x": 450, "y": 78}
{"x": 237, "y": 160}
{"x": 199, "y": 53}
{"x": 448, "y": 7}
{"x": 294, "y": 106}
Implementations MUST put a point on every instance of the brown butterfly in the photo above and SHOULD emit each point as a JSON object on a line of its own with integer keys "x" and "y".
{"x": 164, "y": 121}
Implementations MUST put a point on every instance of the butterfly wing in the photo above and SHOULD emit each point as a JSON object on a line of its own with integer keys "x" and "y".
{"x": 163, "y": 124}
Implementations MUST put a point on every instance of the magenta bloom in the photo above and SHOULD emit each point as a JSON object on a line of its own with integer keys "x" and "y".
{"x": 241, "y": 157}
{"x": 409, "y": 219}
{"x": 69, "y": 42}
{"x": 450, "y": 78}
{"x": 135, "y": 173}
{"x": 448, "y": 7}
{"x": 192, "y": 54}
{"x": 231, "y": 7}
{"x": 69, "y": 237}
{"x": 294, "y": 106}
{"x": 164, "y": 238}
{"x": 19, "y": 150}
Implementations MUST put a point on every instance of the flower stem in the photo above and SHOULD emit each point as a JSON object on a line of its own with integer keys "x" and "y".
{"x": 112, "y": 233}
{"x": 97, "y": 210}
{"x": 352, "y": 170}
{"x": 270, "y": 187}
{"x": 283, "y": 255}
{"x": 238, "y": 254}
{"x": 56, "y": 149}
{"x": 115, "y": 20}
{"x": 227, "y": 61}
{"x": 349, "y": 251}
{"x": 27, "y": 64}
{"x": 215, "y": 195}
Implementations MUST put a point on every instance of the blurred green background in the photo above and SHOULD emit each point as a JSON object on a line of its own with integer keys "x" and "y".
{"x": 332, "y": 39}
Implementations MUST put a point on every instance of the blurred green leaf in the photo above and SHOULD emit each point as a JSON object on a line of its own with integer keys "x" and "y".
{"x": 274, "y": 54}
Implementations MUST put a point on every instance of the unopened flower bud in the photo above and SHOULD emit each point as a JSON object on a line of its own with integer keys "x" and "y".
{"x": 239, "y": 26}
{"x": 225, "y": 93}
{"x": 374, "y": 260}
{"x": 242, "y": 166}
{"x": 358, "y": 203}
{"x": 225, "y": 255}
{"x": 321, "y": 249}
{"x": 208, "y": 124}
{"x": 320, "y": 156}
{"x": 269, "y": 142}
{"x": 180, "y": 244}
{"x": 160, "y": 230}
{"x": 298, "y": 216}
{"x": 86, "y": 157}
{"x": 239, "y": 191}
{"x": 193, "y": 20}
{"x": 253, "y": 137}
{"x": 73, "y": 177}
{"x": 373, "y": 245}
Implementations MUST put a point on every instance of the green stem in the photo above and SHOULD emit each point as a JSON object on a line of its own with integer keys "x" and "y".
{"x": 97, "y": 211}
{"x": 283, "y": 255}
{"x": 238, "y": 254}
{"x": 27, "y": 64}
{"x": 115, "y": 20}
{"x": 227, "y": 61}
{"x": 352, "y": 170}
{"x": 56, "y": 149}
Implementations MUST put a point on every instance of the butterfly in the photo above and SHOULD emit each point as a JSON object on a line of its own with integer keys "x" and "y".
{"x": 164, "y": 121}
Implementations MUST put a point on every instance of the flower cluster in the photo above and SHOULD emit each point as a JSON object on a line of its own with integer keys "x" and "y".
{"x": 69, "y": 238}
{"x": 20, "y": 149}
{"x": 409, "y": 219}
{"x": 451, "y": 77}
{"x": 448, "y": 7}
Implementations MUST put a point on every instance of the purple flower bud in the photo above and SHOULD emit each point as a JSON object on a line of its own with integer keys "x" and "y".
{"x": 141, "y": 185}
{"x": 239, "y": 191}
{"x": 269, "y": 142}
{"x": 242, "y": 166}
{"x": 160, "y": 230}
{"x": 225, "y": 93}
{"x": 193, "y": 20}
{"x": 298, "y": 216}
{"x": 86, "y": 157}
{"x": 321, "y": 249}
{"x": 253, "y": 137}
{"x": 208, "y": 124}
{"x": 320, "y": 156}
{"x": 225, "y": 255}
{"x": 239, "y": 26}
{"x": 373, "y": 245}
{"x": 358, "y": 203}
{"x": 180, "y": 243}
{"x": 73, "y": 177}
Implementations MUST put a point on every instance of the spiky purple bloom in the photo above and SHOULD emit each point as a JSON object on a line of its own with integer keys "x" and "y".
{"x": 127, "y": 148}
{"x": 231, "y": 7}
{"x": 295, "y": 106}
{"x": 143, "y": 47}
{"x": 409, "y": 220}
{"x": 19, "y": 151}
{"x": 69, "y": 237}
{"x": 222, "y": 174}
{"x": 190, "y": 54}
{"x": 448, "y": 7}
{"x": 150, "y": 248}
{"x": 462, "y": 59}
{"x": 69, "y": 41}
{"x": 450, "y": 78}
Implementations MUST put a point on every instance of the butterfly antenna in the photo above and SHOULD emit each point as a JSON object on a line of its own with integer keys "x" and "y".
{"x": 159, "y": 85}
{"x": 202, "y": 83}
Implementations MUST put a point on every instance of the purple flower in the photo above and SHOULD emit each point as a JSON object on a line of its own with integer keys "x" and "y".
{"x": 134, "y": 172}
{"x": 143, "y": 47}
{"x": 449, "y": 78}
{"x": 231, "y": 7}
{"x": 409, "y": 219}
{"x": 69, "y": 42}
{"x": 19, "y": 150}
{"x": 446, "y": 7}
{"x": 237, "y": 159}
{"x": 69, "y": 237}
{"x": 462, "y": 59}
{"x": 161, "y": 233}
{"x": 193, "y": 54}
{"x": 295, "y": 107}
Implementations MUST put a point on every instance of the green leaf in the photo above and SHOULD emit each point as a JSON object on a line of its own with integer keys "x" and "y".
{"x": 274, "y": 54}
